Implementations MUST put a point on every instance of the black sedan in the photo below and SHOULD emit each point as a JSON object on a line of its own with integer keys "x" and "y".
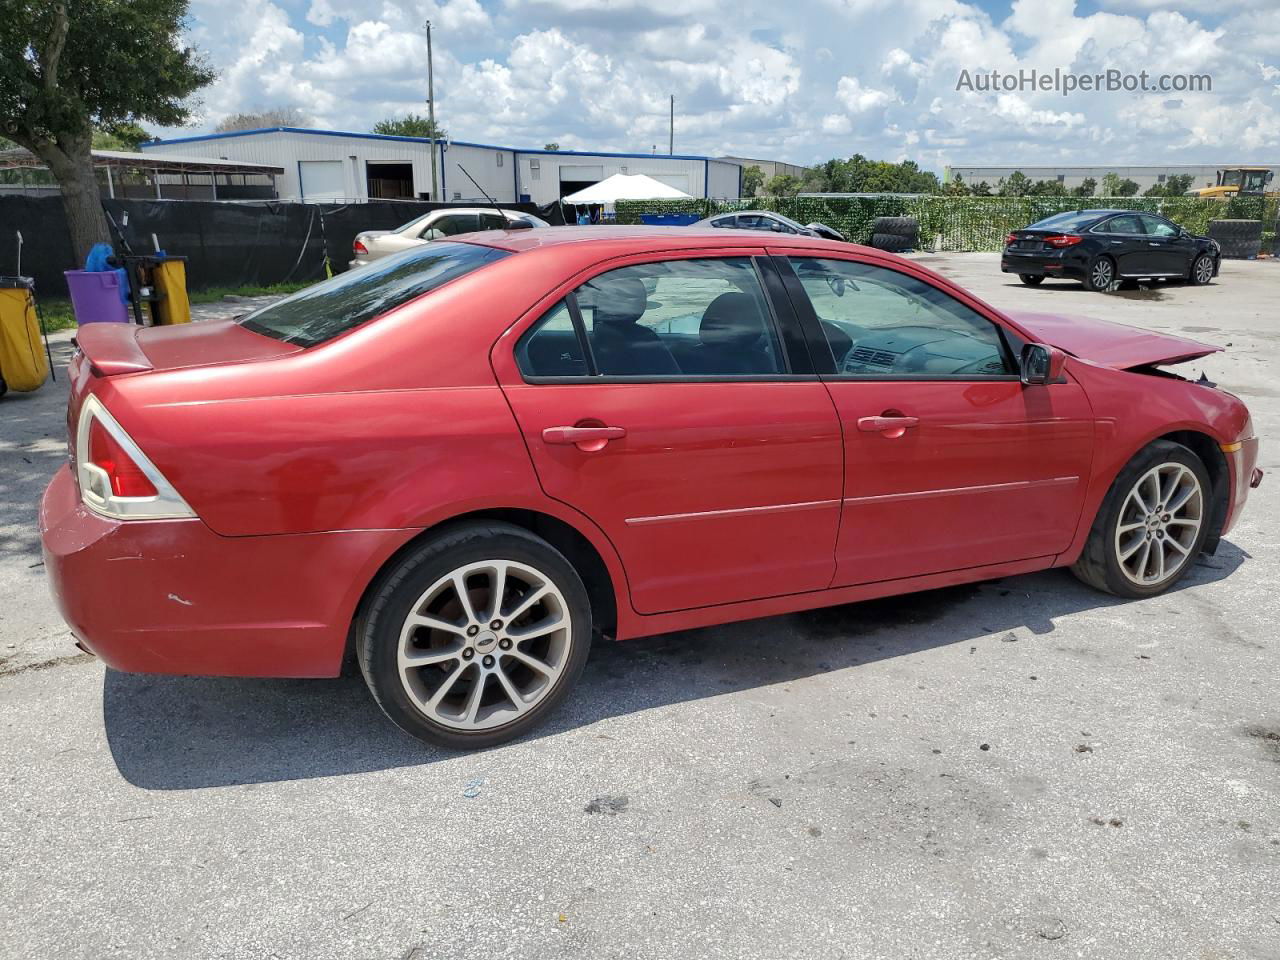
{"x": 1102, "y": 248}
{"x": 768, "y": 220}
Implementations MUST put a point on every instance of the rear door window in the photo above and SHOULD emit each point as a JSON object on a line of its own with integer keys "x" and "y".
{"x": 322, "y": 312}
{"x": 672, "y": 319}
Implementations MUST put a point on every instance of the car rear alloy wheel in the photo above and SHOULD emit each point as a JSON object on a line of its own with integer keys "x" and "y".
{"x": 483, "y": 644}
{"x": 1102, "y": 274}
{"x": 1159, "y": 524}
{"x": 1202, "y": 270}
{"x": 1151, "y": 526}
{"x": 475, "y": 636}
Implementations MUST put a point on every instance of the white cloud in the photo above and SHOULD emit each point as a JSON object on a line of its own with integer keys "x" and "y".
{"x": 755, "y": 78}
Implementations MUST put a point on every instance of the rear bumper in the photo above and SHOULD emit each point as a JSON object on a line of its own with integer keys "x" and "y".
{"x": 172, "y": 596}
{"x": 1055, "y": 264}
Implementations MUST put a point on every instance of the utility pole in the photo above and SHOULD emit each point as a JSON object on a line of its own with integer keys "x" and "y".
{"x": 431, "y": 116}
{"x": 671, "y": 144}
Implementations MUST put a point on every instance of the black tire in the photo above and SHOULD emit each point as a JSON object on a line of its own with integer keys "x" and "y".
{"x": 890, "y": 242}
{"x": 398, "y": 590}
{"x": 1099, "y": 565}
{"x": 1031, "y": 279}
{"x": 898, "y": 226}
{"x": 4, "y": 387}
{"x": 1201, "y": 270}
{"x": 1093, "y": 278}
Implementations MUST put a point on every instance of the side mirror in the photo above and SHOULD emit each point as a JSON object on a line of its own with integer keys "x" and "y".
{"x": 1041, "y": 364}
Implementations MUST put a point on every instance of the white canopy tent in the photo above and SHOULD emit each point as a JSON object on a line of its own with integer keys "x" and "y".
{"x": 622, "y": 186}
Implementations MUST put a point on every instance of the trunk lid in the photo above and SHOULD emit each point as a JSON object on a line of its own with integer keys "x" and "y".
{"x": 115, "y": 349}
{"x": 1112, "y": 345}
{"x": 1032, "y": 240}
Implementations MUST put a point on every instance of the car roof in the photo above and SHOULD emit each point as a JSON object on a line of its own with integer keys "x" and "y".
{"x": 640, "y": 238}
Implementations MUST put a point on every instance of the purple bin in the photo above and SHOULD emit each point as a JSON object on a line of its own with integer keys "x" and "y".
{"x": 95, "y": 296}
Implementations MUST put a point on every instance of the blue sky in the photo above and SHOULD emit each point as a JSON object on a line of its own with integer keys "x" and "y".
{"x": 801, "y": 81}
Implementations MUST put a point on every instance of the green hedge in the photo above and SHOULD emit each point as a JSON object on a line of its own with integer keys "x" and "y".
{"x": 963, "y": 223}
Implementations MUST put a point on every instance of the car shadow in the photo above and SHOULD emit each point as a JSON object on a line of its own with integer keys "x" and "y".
{"x": 181, "y": 733}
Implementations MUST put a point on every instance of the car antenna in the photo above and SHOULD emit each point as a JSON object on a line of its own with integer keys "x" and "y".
{"x": 511, "y": 224}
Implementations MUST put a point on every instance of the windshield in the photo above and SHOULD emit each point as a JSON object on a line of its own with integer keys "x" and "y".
{"x": 1072, "y": 220}
{"x": 335, "y": 306}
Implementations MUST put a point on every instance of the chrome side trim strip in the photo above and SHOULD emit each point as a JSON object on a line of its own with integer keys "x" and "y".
{"x": 958, "y": 491}
{"x": 736, "y": 511}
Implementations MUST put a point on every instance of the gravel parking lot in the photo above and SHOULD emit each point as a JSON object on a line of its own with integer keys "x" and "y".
{"x": 1021, "y": 768}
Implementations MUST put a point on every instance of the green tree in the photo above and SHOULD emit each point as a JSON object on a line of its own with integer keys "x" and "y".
{"x": 553, "y": 147}
{"x": 410, "y": 125}
{"x": 956, "y": 187}
{"x": 1047, "y": 188}
{"x": 125, "y": 136}
{"x": 782, "y": 185}
{"x": 982, "y": 189}
{"x": 67, "y": 66}
{"x": 1174, "y": 186}
{"x": 261, "y": 119}
{"x": 860, "y": 175}
{"x": 1018, "y": 185}
{"x": 752, "y": 180}
{"x": 1086, "y": 189}
{"x": 1113, "y": 185}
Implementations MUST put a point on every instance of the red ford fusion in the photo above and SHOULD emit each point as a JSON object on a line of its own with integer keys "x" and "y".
{"x": 457, "y": 465}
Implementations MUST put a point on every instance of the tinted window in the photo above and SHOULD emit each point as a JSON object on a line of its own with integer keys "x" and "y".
{"x": 335, "y": 306}
{"x": 879, "y": 322}
{"x": 680, "y": 318}
{"x": 1156, "y": 227}
{"x": 493, "y": 221}
{"x": 724, "y": 222}
{"x": 1125, "y": 223}
{"x": 753, "y": 222}
{"x": 456, "y": 223}
{"x": 1072, "y": 220}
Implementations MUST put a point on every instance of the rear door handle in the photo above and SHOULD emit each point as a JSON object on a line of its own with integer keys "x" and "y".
{"x": 585, "y": 438}
{"x": 891, "y": 427}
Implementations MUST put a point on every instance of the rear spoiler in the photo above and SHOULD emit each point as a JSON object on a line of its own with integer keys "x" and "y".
{"x": 112, "y": 348}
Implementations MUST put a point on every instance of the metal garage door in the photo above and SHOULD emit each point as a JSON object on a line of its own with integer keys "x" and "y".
{"x": 322, "y": 179}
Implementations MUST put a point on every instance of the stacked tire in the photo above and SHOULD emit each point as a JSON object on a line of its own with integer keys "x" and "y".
{"x": 1239, "y": 239}
{"x": 895, "y": 234}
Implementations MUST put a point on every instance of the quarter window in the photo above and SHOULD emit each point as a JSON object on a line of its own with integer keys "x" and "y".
{"x": 680, "y": 318}
{"x": 881, "y": 323}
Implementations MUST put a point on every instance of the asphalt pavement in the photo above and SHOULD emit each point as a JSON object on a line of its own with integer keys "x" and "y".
{"x": 1020, "y": 768}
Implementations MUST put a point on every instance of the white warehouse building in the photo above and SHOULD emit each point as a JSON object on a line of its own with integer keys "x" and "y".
{"x": 333, "y": 165}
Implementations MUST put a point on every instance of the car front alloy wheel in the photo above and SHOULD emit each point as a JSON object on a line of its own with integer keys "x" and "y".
{"x": 1151, "y": 526}
{"x": 1159, "y": 524}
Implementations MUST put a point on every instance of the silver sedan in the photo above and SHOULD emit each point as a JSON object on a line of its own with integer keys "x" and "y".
{"x": 445, "y": 222}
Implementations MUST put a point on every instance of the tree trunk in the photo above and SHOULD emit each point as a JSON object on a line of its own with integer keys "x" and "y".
{"x": 72, "y": 165}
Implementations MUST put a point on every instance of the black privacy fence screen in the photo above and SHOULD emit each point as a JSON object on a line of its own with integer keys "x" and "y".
{"x": 226, "y": 244}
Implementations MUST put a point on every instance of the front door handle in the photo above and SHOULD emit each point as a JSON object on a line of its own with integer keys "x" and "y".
{"x": 891, "y": 427}
{"x": 588, "y": 439}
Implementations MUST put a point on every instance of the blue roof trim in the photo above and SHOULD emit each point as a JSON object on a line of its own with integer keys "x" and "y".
{"x": 460, "y": 143}
{"x": 260, "y": 130}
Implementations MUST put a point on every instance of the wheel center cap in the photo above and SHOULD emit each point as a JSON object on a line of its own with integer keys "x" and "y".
{"x": 486, "y": 641}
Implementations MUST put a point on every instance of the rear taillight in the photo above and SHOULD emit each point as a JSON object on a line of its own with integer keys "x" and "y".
{"x": 124, "y": 477}
{"x": 116, "y": 478}
{"x": 359, "y": 247}
{"x": 1063, "y": 240}
{"x": 1010, "y": 240}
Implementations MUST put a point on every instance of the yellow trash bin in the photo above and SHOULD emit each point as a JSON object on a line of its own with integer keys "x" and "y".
{"x": 23, "y": 365}
{"x": 169, "y": 279}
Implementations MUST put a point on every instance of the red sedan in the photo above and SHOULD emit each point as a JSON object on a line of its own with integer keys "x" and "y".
{"x": 458, "y": 464}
